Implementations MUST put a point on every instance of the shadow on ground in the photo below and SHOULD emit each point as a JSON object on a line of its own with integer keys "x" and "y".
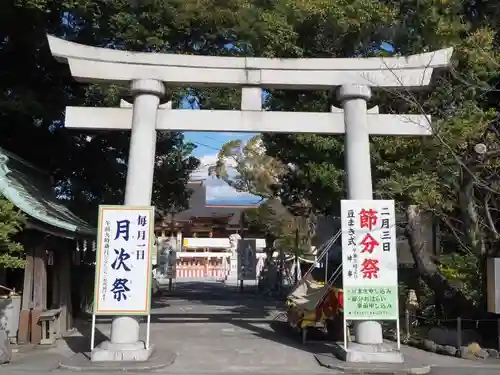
{"x": 263, "y": 316}
{"x": 79, "y": 341}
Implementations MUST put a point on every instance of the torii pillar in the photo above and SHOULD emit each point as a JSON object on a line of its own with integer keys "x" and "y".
{"x": 124, "y": 344}
{"x": 368, "y": 333}
{"x": 145, "y": 74}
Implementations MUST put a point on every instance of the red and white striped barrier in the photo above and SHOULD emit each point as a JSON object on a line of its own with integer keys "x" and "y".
{"x": 200, "y": 273}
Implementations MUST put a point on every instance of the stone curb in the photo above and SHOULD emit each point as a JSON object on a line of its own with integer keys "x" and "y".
{"x": 367, "y": 369}
{"x": 81, "y": 363}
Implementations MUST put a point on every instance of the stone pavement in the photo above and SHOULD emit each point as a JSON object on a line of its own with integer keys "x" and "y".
{"x": 215, "y": 329}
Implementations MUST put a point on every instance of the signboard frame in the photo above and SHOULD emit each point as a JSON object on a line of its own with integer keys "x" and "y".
{"x": 492, "y": 284}
{"x": 100, "y": 263}
{"x": 369, "y": 247}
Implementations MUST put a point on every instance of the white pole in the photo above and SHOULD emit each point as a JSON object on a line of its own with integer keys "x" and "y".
{"x": 398, "y": 333}
{"x": 92, "y": 333}
{"x": 326, "y": 269}
{"x": 344, "y": 324}
{"x": 148, "y": 330}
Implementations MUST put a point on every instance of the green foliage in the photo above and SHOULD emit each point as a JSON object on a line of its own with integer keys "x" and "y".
{"x": 287, "y": 233}
{"x": 268, "y": 218}
{"x": 246, "y": 167}
{"x": 441, "y": 174}
{"x": 462, "y": 270}
{"x": 11, "y": 223}
{"x": 88, "y": 167}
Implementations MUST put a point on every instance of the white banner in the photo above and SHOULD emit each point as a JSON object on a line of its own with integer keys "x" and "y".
{"x": 369, "y": 259}
{"x": 123, "y": 265}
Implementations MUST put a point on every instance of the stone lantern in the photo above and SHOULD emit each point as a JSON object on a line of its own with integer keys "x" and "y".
{"x": 412, "y": 304}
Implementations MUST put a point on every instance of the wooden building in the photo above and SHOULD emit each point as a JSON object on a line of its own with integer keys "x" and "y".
{"x": 201, "y": 235}
{"x": 50, "y": 242}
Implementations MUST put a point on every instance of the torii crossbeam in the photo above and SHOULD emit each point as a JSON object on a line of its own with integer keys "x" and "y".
{"x": 246, "y": 121}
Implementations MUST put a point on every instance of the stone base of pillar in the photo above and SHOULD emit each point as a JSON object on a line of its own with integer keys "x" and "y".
{"x": 368, "y": 332}
{"x": 81, "y": 363}
{"x": 109, "y": 352}
{"x": 363, "y": 353}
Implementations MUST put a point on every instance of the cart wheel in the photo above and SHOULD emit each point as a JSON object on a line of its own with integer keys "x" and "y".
{"x": 303, "y": 333}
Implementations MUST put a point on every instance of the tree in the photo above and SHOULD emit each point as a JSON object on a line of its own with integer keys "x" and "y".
{"x": 444, "y": 174}
{"x": 11, "y": 223}
{"x": 284, "y": 231}
{"x": 88, "y": 167}
{"x": 246, "y": 167}
{"x": 445, "y": 171}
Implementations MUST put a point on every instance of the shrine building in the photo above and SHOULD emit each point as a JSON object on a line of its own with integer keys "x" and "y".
{"x": 200, "y": 235}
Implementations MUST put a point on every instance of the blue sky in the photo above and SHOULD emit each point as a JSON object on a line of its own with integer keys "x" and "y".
{"x": 208, "y": 145}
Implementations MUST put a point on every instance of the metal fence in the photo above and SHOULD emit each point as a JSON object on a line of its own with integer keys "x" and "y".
{"x": 413, "y": 321}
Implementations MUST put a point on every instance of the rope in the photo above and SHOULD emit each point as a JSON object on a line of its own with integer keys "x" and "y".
{"x": 327, "y": 245}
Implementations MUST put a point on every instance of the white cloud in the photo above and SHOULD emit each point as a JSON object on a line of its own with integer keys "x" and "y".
{"x": 217, "y": 190}
{"x": 206, "y": 162}
{"x": 237, "y": 135}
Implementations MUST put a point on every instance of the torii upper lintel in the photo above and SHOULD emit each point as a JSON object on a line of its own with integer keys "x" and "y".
{"x": 94, "y": 64}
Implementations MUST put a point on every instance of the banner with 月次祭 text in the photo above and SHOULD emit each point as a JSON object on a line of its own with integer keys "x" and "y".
{"x": 369, "y": 260}
{"x": 123, "y": 264}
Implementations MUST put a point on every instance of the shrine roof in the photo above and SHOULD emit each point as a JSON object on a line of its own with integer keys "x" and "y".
{"x": 229, "y": 214}
{"x": 30, "y": 189}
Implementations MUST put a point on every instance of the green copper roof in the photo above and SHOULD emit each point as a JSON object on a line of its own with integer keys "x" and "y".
{"x": 30, "y": 189}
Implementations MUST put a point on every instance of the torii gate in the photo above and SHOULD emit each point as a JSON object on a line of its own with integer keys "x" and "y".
{"x": 147, "y": 73}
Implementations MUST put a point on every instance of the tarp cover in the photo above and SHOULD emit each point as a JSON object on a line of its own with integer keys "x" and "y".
{"x": 307, "y": 295}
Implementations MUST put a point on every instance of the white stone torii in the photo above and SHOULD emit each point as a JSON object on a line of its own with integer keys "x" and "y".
{"x": 146, "y": 75}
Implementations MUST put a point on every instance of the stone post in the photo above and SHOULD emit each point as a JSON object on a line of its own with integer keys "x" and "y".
{"x": 359, "y": 176}
{"x": 233, "y": 264}
{"x": 178, "y": 246}
{"x": 124, "y": 344}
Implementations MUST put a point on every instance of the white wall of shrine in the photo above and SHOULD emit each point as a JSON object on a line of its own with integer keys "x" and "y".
{"x": 208, "y": 265}
{"x": 214, "y": 243}
{"x": 207, "y": 258}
